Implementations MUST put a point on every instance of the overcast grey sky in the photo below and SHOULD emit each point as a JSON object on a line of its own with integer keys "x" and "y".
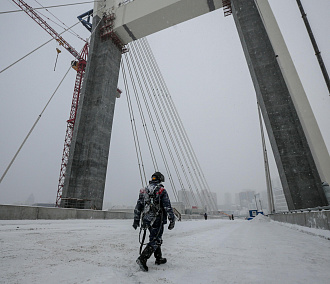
{"x": 205, "y": 70}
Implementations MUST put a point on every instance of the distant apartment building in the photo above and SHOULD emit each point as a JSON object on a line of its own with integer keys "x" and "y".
{"x": 247, "y": 200}
{"x": 196, "y": 200}
{"x": 228, "y": 200}
{"x": 188, "y": 199}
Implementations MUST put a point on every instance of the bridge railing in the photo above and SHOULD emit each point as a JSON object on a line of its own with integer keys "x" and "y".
{"x": 318, "y": 218}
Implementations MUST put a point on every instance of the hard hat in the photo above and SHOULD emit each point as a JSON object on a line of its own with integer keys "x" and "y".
{"x": 157, "y": 176}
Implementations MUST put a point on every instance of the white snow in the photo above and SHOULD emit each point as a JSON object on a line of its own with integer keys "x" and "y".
{"x": 212, "y": 251}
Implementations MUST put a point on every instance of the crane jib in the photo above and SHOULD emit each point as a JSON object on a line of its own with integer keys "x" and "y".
{"x": 41, "y": 22}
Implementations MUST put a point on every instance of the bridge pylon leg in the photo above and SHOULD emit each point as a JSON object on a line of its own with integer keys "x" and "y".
{"x": 88, "y": 160}
{"x": 297, "y": 161}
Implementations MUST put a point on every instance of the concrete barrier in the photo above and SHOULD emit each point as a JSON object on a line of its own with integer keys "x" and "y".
{"x": 18, "y": 212}
{"x": 311, "y": 219}
{"x": 119, "y": 215}
{"x": 90, "y": 214}
{"x": 56, "y": 214}
{"x": 299, "y": 219}
{"x": 318, "y": 220}
{"x": 10, "y": 212}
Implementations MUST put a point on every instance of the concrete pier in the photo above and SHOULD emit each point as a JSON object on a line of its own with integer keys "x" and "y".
{"x": 297, "y": 168}
{"x": 88, "y": 160}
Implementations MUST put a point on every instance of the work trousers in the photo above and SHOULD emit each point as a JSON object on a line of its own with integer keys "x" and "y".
{"x": 156, "y": 233}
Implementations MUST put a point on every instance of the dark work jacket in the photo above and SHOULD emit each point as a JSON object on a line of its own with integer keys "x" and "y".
{"x": 154, "y": 203}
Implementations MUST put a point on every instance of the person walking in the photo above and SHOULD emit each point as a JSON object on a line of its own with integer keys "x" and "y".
{"x": 155, "y": 207}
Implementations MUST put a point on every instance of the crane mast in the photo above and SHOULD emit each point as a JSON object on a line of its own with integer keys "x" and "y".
{"x": 79, "y": 66}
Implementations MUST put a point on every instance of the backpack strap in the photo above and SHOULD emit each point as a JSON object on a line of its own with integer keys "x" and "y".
{"x": 160, "y": 190}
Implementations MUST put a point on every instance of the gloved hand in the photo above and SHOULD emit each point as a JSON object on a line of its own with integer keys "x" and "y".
{"x": 136, "y": 224}
{"x": 171, "y": 225}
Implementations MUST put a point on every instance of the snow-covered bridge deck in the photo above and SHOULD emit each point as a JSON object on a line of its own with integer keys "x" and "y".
{"x": 212, "y": 251}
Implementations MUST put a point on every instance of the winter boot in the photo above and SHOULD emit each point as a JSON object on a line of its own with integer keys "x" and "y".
{"x": 158, "y": 256}
{"x": 142, "y": 259}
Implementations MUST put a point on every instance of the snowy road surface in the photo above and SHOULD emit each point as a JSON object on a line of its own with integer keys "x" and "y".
{"x": 212, "y": 251}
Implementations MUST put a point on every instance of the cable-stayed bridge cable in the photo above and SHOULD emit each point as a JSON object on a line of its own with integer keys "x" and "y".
{"x": 32, "y": 128}
{"x": 134, "y": 131}
{"x": 48, "y": 7}
{"x": 141, "y": 68}
{"x": 60, "y": 25}
{"x": 147, "y": 82}
{"x": 186, "y": 143}
{"x": 159, "y": 109}
{"x": 168, "y": 124}
{"x": 150, "y": 88}
{"x": 171, "y": 117}
{"x": 144, "y": 124}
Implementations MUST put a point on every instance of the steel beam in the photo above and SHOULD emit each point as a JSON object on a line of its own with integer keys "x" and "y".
{"x": 140, "y": 18}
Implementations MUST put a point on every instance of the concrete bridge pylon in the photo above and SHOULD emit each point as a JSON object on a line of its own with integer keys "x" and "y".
{"x": 300, "y": 153}
{"x": 89, "y": 151}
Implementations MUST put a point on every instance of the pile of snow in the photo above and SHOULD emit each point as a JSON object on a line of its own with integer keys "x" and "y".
{"x": 260, "y": 218}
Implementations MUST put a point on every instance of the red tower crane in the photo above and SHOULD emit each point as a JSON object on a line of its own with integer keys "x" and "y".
{"x": 79, "y": 66}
